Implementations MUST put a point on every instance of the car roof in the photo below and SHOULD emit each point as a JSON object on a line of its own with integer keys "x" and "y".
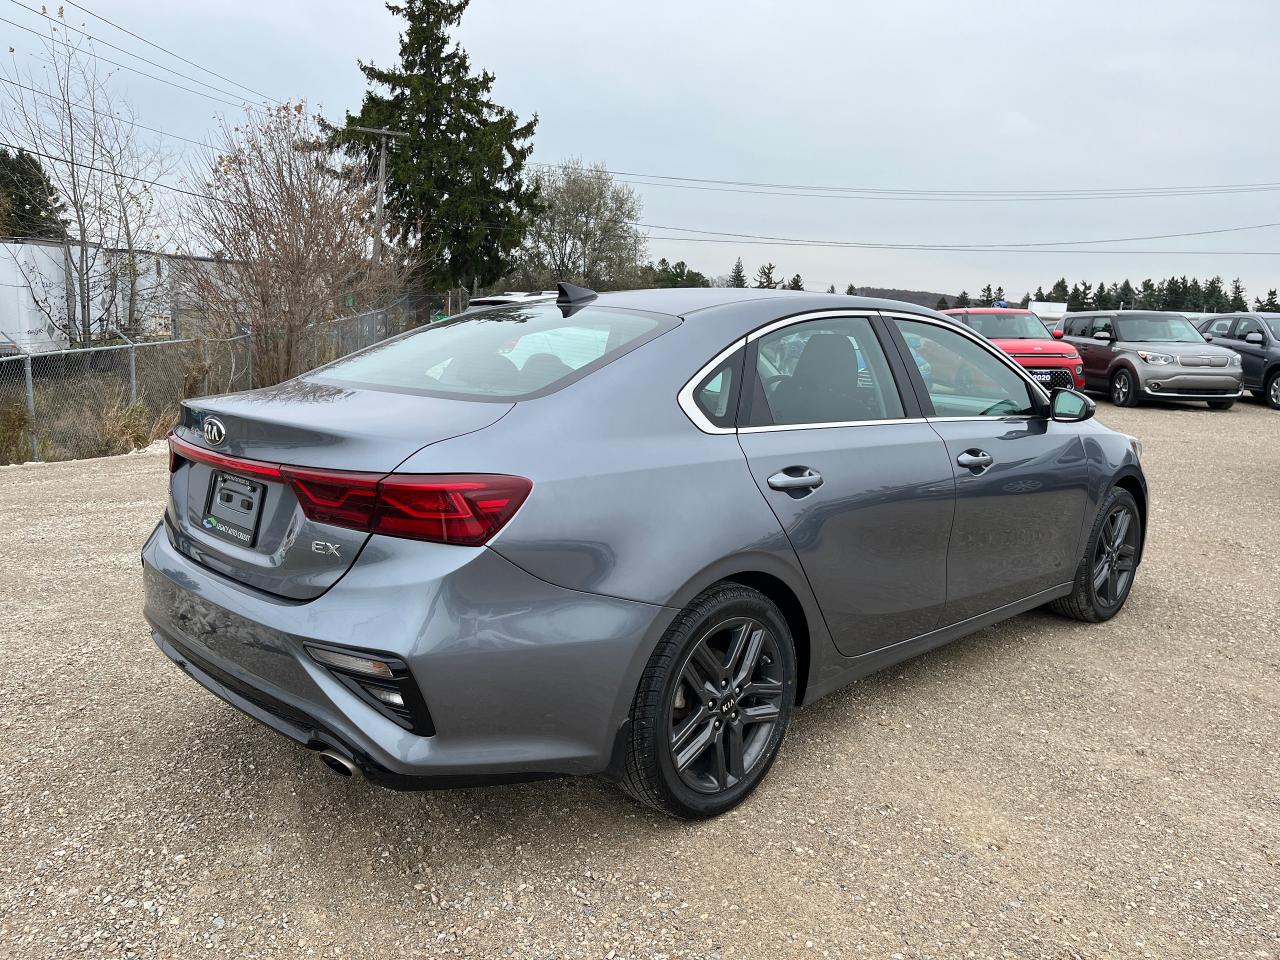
{"x": 986, "y": 310}
{"x": 681, "y": 301}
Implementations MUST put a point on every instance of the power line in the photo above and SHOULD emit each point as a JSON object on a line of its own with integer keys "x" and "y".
{"x": 1019, "y": 194}
{"x": 176, "y": 56}
{"x": 99, "y": 113}
{"x": 1074, "y": 246}
{"x": 136, "y": 56}
{"x": 125, "y": 66}
{"x": 872, "y": 193}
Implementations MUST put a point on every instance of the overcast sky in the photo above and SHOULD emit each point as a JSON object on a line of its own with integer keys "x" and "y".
{"x": 941, "y": 95}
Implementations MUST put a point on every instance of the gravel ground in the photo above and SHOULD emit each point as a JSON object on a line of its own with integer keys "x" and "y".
{"x": 1041, "y": 789}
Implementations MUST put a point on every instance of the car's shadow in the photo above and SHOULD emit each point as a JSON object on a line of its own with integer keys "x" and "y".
{"x": 285, "y": 785}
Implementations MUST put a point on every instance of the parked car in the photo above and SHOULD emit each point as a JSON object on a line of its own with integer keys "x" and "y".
{"x": 1256, "y": 338}
{"x": 633, "y": 549}
{"x": 1137, "y": 354}
{"x": 1022, "y": 335}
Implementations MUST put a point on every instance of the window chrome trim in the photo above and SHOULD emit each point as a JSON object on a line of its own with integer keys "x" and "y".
{"x": 773, "y": 427}
{"x": 685, "y": 396}
{"x": 805, "y": 317}
{"x": 985, "y": 344}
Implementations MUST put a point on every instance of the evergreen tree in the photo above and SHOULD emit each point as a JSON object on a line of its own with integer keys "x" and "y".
{"x": 963, "y": 299}
{"x": 678, "y": 274}
{"x": 1149, "y": 295}
{"x": 738, "y": 276}
{"x": 1025, "y": 301}
{"x": 29, "y": 204}
{"x": 795, "y": 283}
{"x": 985, "y": 296}
{"x": 1237, "y": 301}
{"x": 764, "y": 277}
{"x": 1269, "y": 305}
{"x": 851, "y": 291}
{"x": 1059, "y": 292}
{"x": 999, "y": 295}
{"x": 1215, "y": 296}
{"x": 1194, "y": 298}
{"x": 831, "y": 288}
{"x": 941, "y": 304}
{"x": 457, "y": 199}
{"x": 1039, "y": 297}
{"x": 1100, "y": 298}
{"x": 1125, "y": 295}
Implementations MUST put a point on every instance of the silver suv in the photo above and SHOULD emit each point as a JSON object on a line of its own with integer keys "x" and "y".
{"x": 1135, "y": 355}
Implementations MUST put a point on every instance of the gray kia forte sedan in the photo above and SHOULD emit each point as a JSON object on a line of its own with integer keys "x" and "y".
{"x": 623, "y": 534}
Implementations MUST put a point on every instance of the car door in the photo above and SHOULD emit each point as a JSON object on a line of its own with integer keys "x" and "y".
{"x": 858, "y": 480}
{"x": 1253, "y": 356}
{"x": 1021, "y": 478}
{"x": 1097, "y": 354}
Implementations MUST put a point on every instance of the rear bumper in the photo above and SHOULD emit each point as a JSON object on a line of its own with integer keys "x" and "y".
{"x": 523, "y": 679}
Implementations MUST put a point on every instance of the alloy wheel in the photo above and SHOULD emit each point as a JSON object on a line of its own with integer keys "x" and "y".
{"x": 1115, "y": 557}
{"x": 1120, "y": 389}
{"x": 726, "y": 705}
{"x": 1273, "y": 392}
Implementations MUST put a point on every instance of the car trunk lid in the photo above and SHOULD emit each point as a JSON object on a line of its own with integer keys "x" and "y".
{"x": 231, "y": 506}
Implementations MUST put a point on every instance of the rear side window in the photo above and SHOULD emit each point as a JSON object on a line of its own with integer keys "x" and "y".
{"x": 717, "y": 393}
{"x": 823, "y": 371}
{"x": 515, "y": 353}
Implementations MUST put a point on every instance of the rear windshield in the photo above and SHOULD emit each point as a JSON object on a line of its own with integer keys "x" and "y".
{"x": 513, "y": 353}
{"x": 1008, "y": 326}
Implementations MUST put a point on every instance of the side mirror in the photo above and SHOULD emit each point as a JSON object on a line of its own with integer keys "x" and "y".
{"x": 1103, "y": 335}
{"x": 1255, "y": 338}
{"x": 1069, "y": 406}
{"x": 1208, "y": 337}
{"x": 1056, "y": 334}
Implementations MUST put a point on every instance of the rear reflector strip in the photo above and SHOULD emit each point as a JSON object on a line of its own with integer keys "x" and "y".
{"x": 462, "y": 509}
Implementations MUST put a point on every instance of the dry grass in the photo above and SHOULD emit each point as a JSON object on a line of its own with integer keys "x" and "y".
{"x": 15, "y": 433}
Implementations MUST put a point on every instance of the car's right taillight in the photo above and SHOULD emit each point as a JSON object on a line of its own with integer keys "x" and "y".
{"x": 463, "y": 509}
{"x": 466, "y": 509}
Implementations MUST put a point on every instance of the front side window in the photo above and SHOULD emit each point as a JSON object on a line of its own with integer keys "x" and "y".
{"x": 1101, "y": 325}
{"x": 510, "y": 354}
{"x": 1246, "y": 326}
{"x": 962, "y": 378}
{"x": 823, "y": 371}
{"x": 1219, "y": 327}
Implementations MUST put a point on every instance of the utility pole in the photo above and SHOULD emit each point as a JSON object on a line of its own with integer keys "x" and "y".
{"x": 382, "y": 133}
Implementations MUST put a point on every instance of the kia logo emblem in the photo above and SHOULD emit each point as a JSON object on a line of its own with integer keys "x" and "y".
{"x": 214, "y": 431}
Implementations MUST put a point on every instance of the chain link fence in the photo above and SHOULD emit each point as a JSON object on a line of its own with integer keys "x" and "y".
{"x": 99, "y": 401}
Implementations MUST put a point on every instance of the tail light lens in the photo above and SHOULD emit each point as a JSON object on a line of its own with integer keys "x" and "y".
{"x": 466, "y": 509}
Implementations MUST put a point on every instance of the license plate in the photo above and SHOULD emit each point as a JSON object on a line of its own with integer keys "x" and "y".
{"x": 235, "y": 504}
{"x": 1042, "y": 376}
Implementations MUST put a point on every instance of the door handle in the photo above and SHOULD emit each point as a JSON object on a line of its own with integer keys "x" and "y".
{"x": 975, "y": 459}
{"x": 799, "y": 478}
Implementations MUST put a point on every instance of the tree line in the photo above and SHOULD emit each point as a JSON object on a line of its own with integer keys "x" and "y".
{"x": 1177, "y": 294}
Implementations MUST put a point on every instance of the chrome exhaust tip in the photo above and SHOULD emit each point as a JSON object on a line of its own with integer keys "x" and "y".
{"x": 337, "y": 763}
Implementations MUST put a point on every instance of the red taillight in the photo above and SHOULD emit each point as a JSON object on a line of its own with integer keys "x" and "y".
{"x": 327, "y": 496}
{"x": 466, "y": 509}
{"x": 463, "y": 509}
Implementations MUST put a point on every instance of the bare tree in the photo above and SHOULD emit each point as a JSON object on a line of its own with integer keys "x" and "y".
{"x": 89, "y": 145}
{"x": 283, "y": 240}
{"x": 585, "y": 231}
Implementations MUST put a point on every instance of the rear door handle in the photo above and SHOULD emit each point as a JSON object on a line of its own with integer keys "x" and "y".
{"x": 796, "y": 478}
{"x": 975, "y": 460}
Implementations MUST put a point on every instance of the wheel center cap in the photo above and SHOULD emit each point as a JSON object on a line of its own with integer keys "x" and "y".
{"x": 727, "y": 705}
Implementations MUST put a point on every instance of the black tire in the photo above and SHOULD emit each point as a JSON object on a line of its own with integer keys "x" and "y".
{"x": 1089, "y": 601}
{"x": 1221, "y": 404}
{"x": 1271, "y": 395}
{"x": 1124, "y": 388}
{"x": 723, "y": 724}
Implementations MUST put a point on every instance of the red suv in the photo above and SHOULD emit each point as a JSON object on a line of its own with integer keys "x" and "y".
{"x": 1022, "y": 335}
